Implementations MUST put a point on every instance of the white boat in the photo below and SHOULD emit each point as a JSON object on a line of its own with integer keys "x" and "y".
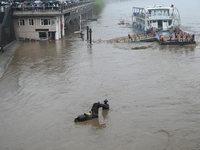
{"x": 155, "y": 18}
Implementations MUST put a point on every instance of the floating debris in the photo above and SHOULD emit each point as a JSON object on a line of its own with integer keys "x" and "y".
{"x": 121, "y": 22}
{"x": 135, "y": 38}
{"x": 141, "y": 47}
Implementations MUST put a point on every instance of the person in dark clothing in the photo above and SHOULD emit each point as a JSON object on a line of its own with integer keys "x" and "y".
{"x": 192, "y": 39}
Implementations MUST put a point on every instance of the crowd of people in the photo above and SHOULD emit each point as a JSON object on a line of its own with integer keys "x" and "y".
{"x": 38, "y": 5}
{"x": 179, "y": 35}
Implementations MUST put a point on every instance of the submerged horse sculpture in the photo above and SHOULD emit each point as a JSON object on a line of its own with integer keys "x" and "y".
{"x": 93, "y": 113}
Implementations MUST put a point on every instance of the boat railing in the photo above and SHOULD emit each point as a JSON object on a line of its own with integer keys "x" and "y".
{"x": 136, "y": 14}
{"x": 160, "y": 17}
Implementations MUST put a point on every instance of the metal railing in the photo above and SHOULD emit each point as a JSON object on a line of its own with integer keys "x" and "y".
{"x": 4, "y": 7}
{"x": 48, "y": 6}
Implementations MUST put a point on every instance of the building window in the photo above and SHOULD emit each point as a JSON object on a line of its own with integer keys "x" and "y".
{"x": 30, "y": 22}
{"x": 21, "y": 22}
{"x": 43, "y": 35}
{"x": 45, "y": 22}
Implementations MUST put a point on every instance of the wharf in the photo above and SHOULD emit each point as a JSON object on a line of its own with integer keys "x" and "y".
{"x": 136, "y": 38}
{"x": 164, "y": 38}
{"x": 153, "y": 38}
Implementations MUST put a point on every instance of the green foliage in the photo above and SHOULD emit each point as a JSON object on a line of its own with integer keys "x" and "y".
{"x": 98, "y": 5}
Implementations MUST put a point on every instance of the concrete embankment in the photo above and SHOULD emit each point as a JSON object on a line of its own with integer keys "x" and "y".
{"x": 7, "y": 55}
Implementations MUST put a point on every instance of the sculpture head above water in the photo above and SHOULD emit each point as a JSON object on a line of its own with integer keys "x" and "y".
{"x": 93, "y": 113}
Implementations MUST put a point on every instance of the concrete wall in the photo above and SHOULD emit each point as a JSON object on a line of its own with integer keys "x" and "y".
{"x": 7, "y": 34}
{"x": 1, "y": 16}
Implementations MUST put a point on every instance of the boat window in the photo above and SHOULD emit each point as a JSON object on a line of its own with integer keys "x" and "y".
{"x": 154, "y": 13}
{"x": 167, "y": 12}
{"x": 163, "y": 12}
{"x": 159, "y": 13}
{"x": 149, "y": 11}
{"x": 170, "y": 22}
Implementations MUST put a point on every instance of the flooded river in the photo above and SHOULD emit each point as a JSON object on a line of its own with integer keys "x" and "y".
{"x": 153, "y": 93}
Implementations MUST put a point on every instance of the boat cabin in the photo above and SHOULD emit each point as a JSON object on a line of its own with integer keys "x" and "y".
{"x": 155, "y": 18}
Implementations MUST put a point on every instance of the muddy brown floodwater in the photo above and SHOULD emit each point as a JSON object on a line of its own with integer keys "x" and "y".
{"x": 153, "y": 93}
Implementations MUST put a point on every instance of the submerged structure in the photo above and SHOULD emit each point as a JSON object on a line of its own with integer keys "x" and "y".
{"x": 93, "y": 113}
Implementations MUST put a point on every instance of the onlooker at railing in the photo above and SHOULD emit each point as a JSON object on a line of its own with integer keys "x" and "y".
{"x": 57, "y": 5}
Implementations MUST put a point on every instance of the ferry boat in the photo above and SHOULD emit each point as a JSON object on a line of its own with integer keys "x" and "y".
{"x": 157, "y": 18}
